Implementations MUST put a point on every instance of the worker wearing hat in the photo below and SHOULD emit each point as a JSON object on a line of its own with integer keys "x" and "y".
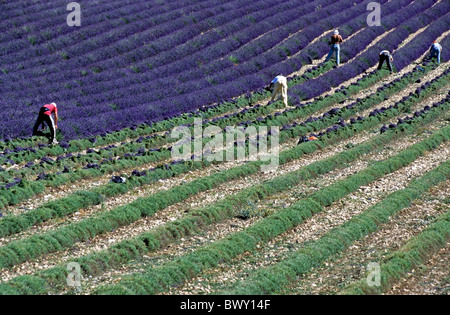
{"x": 335, "y": 42}
{"x": 435, "y": 51}
{"x": 385, "y": 55}
{"x": 45, "y": 116}
{"x": 279, "y": 84}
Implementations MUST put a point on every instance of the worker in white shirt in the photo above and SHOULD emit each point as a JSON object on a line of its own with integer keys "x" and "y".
{"x": 279, "y": 84}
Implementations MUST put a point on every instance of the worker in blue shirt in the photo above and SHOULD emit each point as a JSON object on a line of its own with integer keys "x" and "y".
{"x": 435, "y": 51}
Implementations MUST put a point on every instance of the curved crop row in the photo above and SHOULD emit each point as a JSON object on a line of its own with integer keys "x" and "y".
{"x": 152, "y": 240}
{"x": 79, "y": 200}
{"x": 273, "y": 121}
{"x": 163, "y": 21}
{"x": 412, "y": 254}
{"x": 341, "y": 237}
{"x": 171, "y": 38}
{"x": 24, "y": 249}
{"x": 114, "y": 113}
{"x": 155, "y": 280}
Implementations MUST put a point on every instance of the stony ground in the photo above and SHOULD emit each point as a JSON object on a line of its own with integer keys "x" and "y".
{"x": 333, "y": 275}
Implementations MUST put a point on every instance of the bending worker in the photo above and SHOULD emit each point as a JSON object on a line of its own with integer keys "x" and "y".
{"x": 307, "y": 139}
{"x": 45, "y": 116}
{"x": 279, "y": 84}
{"x": 335, "y": 42}
{"x": 435, "y": 51}
{"x": 385, "y": 55}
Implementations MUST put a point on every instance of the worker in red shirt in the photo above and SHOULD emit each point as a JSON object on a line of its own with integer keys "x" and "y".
{"x": 307, "y": 139}
{"x": 45, "y": 116}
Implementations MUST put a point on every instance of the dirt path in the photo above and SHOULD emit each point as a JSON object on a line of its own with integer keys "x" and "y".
{"x": 431, "y": 278}
{"x": 218, "y": 231}
{"x": 53, "y": 193}
{"x": 351, "y": 264}
{"x": 311, "y": 229}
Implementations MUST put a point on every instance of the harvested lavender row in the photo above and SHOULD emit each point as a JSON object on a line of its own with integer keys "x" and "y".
{"x": 334, "y": 112}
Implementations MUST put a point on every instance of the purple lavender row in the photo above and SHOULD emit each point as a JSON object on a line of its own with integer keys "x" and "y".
{"x": 32, "y": 14}
{"x": 97, "y": 19}
{"x": 149, "y": 30}
{"x": 161, "y": 24}
{"x": 274, "y": 16}
{"x": 167, "y": 81}
{"x": 185, "y": 73}
{"x": 150, "y": 36}
{"x": 246, "y": 71}
{"x": 171, "y": 40}
{"x": 18, "y": 13}
{"x": 421, "y": 44}
{"x": 51, "y": 19}
{"x": 334, "y": 112}
{"x": 18, "y": 9}
{"x": 213, "y": 97}
{"x": 369, "y": 58}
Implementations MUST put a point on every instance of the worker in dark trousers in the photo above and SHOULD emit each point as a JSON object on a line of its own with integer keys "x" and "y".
{"x": 335, "y": 42}
{"x": 385, "y": 55}
{"x": 45, "y": 116}
{"x": 435, "y": 51}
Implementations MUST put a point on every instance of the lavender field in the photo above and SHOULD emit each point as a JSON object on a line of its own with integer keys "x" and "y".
{"x": 109, "y": 209}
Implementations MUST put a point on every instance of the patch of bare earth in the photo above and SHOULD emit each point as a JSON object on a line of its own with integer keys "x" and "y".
{"x": 351, "y": 265}
{"x": 316, "y": 226}
{"x": 220, "y": 230}
{"x": 431, "y": 278}
{"x": 171, "y": 213}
